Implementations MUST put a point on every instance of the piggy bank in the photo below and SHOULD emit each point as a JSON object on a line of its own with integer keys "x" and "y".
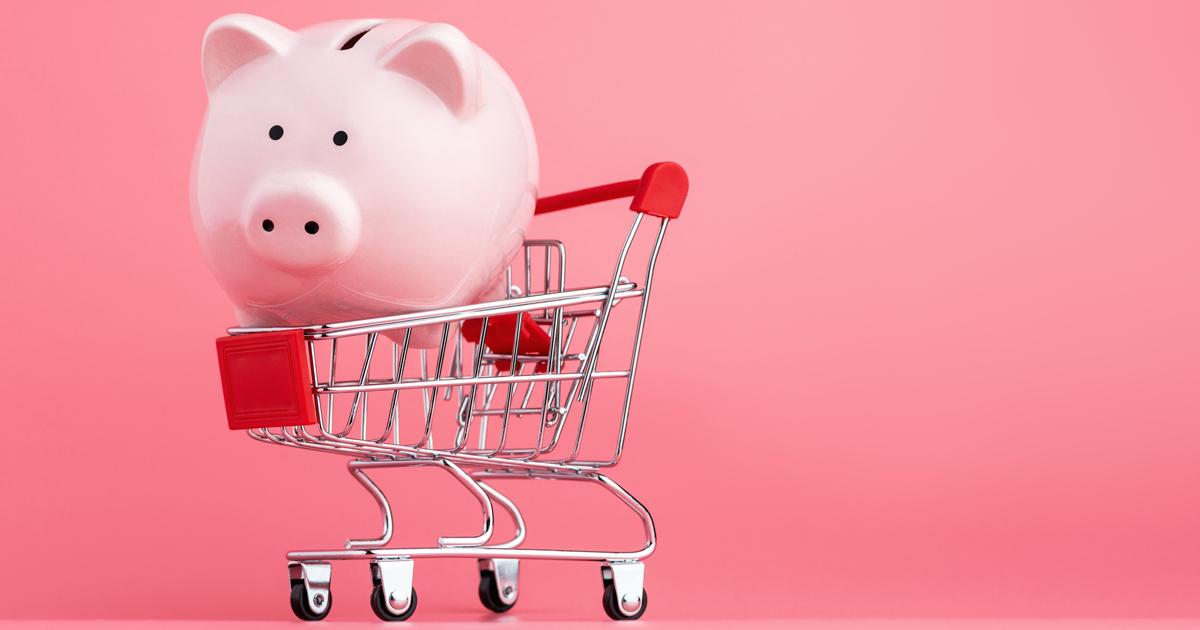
{"x": 357, "y": 169}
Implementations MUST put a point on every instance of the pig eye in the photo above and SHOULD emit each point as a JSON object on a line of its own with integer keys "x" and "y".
{"x": 268, "y": 225}
{"x": 340, "y": 138}
{"x": 276, "y": 132}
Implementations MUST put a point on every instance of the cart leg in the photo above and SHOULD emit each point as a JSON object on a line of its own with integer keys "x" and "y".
{"x": 512, "y": 510}
{"x": 385, "y": 510}
{"x": 485, "y": 503}
{"x": 311, "y": 600}
{"x": 357, "y": 467}
{"x": 624, "y": 594}
{"x": 498, "y": 583}
{"x": 394, "y": 598}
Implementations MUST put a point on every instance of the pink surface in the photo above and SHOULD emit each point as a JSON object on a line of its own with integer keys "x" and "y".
{"x": 923, "y": 344}
{"x": 691, "y": 624}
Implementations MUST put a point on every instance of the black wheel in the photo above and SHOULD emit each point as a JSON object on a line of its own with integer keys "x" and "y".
{"x": 300, "y": 604}
{"x": 611, "y": 604}
{"x": 380, "y": 608}
{"x": 489, "y": 593}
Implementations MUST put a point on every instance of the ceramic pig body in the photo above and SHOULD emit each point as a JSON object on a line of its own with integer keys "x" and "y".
{"x": 357, "y": 169}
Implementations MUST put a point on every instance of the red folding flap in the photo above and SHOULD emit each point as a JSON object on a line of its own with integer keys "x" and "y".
{"x": 266, "y": 380}
{"x": 535, "y": 341}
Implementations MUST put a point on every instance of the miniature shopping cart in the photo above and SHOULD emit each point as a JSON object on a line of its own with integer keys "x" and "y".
{"x": 504, "y": 392}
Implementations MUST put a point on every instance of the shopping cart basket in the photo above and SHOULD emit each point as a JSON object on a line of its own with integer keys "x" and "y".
{"x": 503, "y": 393}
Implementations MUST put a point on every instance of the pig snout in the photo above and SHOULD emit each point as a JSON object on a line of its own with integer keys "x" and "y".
{"x": 302, "y": 222}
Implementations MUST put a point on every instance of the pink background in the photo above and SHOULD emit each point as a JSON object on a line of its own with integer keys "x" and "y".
{"x": 924, "y": 342}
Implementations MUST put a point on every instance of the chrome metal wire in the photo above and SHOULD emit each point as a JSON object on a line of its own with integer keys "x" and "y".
{"x": 510, "y": 408}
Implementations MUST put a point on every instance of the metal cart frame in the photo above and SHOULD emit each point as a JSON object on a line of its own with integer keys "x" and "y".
{"x": 558, "y": 366}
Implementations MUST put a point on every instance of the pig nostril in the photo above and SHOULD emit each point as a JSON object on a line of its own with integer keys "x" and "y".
{"x": 268, "y": 225}
{"x": 275, "y": 132}
{"x": 311, "y": 227}
{"x": 340, "y": 138}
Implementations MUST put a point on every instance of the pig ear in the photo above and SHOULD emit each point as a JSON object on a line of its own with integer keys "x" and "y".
{"x": 442, "y": 59}
{"x": 235, "y": 40}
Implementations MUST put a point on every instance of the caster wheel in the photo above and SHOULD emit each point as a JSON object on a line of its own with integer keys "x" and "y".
{"x": 300, "y": 605}
{"x": 489, "y": 593}
{"x": 611, "y": 605}
{"x": 380, "y": 608}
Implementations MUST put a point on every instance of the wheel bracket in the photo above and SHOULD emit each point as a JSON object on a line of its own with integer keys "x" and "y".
{"x": 627, "y": 579}
{"x": 505, "y": 572}
{"x": 396, "y": 577}
{"x": 315, "y": 576}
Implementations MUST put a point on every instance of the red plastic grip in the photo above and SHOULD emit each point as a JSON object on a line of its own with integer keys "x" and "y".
{"x": 660, "y": 192}
{"x": 266, "y": 380}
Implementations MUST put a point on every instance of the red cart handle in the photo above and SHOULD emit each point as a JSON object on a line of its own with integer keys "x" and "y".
{"x": 660, "y": 192}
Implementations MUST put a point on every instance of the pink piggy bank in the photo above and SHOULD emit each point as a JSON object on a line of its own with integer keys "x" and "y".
{"x": 357, "y": 169}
